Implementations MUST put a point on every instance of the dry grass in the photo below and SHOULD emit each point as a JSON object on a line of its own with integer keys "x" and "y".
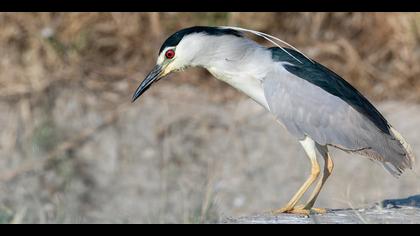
{"x": 103, "y": 56}
{"x": 378, "y": 52}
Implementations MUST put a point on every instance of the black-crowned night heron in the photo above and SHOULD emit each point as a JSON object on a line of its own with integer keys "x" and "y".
{"x": 315, "y": 105}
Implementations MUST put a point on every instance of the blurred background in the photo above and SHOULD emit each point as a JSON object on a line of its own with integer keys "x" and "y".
{"x": 73, "y": 149}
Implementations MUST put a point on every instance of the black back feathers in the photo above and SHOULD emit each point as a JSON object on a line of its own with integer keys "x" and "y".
{"x": 332, "y": 83}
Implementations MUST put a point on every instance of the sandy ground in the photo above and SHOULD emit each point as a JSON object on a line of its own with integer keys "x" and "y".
{"x": 178, "y": 156}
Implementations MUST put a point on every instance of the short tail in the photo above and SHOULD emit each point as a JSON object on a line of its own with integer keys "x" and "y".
{"x": 407, "y": 160}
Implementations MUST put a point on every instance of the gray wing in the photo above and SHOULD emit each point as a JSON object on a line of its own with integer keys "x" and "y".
{"x": 306, "y": 109}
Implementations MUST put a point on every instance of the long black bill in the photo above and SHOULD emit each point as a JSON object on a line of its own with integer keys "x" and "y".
{"x": 152, "y": 77}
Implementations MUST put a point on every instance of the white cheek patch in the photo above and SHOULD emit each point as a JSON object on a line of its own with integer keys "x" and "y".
{"x": 160, "y": 59}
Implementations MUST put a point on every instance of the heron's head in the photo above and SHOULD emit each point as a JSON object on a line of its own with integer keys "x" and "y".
{"x": 193, "y": 46}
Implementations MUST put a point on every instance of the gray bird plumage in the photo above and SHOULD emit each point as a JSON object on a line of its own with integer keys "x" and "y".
{"x": 308, "y": 98}
{"x": 307, "y": 110}
{"x": 314, "y": 101}
{"x": 314, "y": 104}
{"x": 329, "y": 81}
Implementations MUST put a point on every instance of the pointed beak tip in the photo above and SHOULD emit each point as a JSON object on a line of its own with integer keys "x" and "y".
{"x": 152, "y": 77}
{"x": 133, "y": 99}
{"x": 135, "y": 96}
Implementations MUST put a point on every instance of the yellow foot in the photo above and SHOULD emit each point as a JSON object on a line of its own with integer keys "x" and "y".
{"x": 313, "y": 209}
{"x": 300, "y": 210}
{"x": 291, "y": 211}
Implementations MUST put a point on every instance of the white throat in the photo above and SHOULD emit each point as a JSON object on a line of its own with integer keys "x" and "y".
{"x": 234, "y": 60}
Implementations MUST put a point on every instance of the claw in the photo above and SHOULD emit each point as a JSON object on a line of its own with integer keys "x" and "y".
{"x": 312, "y": 209}
{"x": 300, "y": 210}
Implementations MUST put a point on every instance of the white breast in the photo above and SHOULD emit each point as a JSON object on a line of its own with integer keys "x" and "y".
{"x": 246, "y": 84}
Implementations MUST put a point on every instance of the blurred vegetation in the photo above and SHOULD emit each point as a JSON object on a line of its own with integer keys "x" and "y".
{"x": 377, "y": 52}
{"x": 6, "y": 216}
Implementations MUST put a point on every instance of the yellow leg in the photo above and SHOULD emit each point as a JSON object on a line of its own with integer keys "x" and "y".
{"x": 309, "y": 147}
{"x": 328, "y": 168}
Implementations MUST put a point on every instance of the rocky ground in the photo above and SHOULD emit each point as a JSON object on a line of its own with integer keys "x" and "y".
{"x": 374, "y": 215}
{"x": 392, "y": 211}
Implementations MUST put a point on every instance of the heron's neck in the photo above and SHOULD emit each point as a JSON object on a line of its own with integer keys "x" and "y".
{"x": 240, "y": 62}
{"x": 248, "y": 84}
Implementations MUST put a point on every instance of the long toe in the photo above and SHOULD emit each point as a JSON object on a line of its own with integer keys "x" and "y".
{"x": 299, "y": 211}
{"x": 281, "y": 210}
{"x": 319, "y": 210}
{"x": 312, "y": 209}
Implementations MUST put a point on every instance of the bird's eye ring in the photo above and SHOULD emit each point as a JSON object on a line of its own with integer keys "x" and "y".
{"x": 170, "y": 54}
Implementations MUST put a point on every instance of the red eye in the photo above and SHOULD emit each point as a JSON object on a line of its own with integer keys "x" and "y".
{"x": 170, "y": 54}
